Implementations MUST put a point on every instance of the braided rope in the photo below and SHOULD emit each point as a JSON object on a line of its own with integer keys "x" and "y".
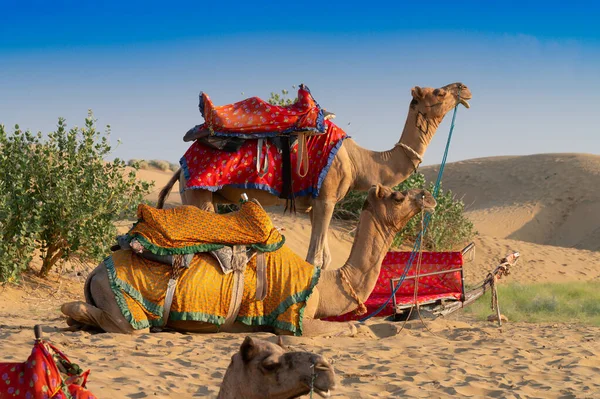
{"x": 411, "y": 151}
{"x": 313, "y": 377}
{"x": 361, "y": 309}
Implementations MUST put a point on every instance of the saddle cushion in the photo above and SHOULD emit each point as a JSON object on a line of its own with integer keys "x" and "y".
{"x": 188, "y": 229}
{"x": 210, "y": 169}
{"x": 255, "y": 118}
{"x": 203, "y": 292}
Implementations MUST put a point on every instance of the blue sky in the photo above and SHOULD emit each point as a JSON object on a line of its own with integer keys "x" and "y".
{"x": 533, "y": 68}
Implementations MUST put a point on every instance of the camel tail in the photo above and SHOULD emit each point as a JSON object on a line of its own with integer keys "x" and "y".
{"x": 87, "y": 291}
{"x": 164, "y": 193}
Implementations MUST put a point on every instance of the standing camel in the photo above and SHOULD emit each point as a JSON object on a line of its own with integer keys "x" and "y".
{"x": 337, "y": 292}
{"x": 354, "y": 168}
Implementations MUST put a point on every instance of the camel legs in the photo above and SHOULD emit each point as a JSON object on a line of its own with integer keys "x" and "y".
{"x": 106, "y": 314}
{"x": 320, "y": 218}
{"x": 203, "y": 199}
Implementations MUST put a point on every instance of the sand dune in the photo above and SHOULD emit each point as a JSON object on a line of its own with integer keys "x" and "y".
{"x": 545, "y": 206}
{"x": 550, "y": 199}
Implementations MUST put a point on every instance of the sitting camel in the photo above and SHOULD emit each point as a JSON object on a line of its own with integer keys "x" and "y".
{"x": 337, "y": 292}
{"x": 353, "y": 168}
{"x": 264, "y": 370}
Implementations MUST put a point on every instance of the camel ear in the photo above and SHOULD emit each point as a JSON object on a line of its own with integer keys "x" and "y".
{"x": 378, "y": 191}
{"x": 417, "y": 92}
{"x": 248, "y": 349}
{"x": 280, "y": 341}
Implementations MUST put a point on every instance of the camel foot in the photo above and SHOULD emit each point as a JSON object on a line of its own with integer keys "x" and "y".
{"x": 494, "y": 317}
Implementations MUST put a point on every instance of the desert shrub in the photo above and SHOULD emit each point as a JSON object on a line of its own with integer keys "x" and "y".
{"x": 59, "y": 196}
{"x": 448, "y": 227}
{"x": 281, "y": 99}
{"x": 138, "y": 164}
{"x": 155, "y": 163}
{"x": 160, "y": 164}
{"x": 227, "y": 208}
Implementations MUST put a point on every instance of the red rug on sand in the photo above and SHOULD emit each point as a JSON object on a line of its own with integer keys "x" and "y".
{"x": 211, "y": 169}
{"x": 431, "y": 288}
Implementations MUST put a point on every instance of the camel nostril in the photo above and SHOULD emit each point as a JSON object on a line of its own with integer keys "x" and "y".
{"x": 322, "y": 367}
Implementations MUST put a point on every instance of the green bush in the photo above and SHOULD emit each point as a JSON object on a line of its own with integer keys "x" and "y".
{"x": 59, "y": 196}
{"x": 159, "y": 164}
{"x": 281, "y": 99}
{"x": 448, "y": 227}
{"x": 155, "y": 163}
{"x": 138, "y": 164}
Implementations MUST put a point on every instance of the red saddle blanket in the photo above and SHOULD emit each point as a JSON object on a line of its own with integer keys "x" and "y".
{"x": 39, "y": 377}
{"x": 431, "y": 288}
{"x": 211, "y": 169}
{"x": 255, "y": 118}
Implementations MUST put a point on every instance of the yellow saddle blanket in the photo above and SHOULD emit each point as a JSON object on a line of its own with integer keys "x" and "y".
{"x": 204, "y": 292}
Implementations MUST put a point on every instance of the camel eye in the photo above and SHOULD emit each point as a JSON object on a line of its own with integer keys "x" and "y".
{"x": 270, "y": 365}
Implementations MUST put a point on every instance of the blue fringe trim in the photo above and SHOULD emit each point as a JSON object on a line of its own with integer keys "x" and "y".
{"x": 201, "y": 105}
{"x": 256, "y": 186}
{"x": 186, "y": 171}
{"x": 260, "y": 135}
{"x": 320, "y": 117}
{"x": 313, "y": 190}
{"x": 325, "y": 169}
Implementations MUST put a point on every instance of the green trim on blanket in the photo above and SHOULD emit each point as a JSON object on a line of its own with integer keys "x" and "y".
{"x": 313, "y": 284}
{"x": 192, "y": 249}
{"x": 117, "y": 286}
{"x": 197, "y": 316}
{"x": 271, "y": 319}
{"x": 157, "y": 250}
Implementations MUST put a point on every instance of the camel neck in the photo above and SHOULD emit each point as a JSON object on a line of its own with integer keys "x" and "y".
{"x": 393, "y": 166}
{"x": 361, "y": 270}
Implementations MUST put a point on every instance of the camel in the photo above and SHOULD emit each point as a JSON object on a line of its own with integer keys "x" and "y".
{"x": 261, "y": 369}
{"x": 337, "y": 292}
{"x": 353, "y": 168}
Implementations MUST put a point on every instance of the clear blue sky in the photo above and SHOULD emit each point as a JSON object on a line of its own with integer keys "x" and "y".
{"x": 533, "y": 67}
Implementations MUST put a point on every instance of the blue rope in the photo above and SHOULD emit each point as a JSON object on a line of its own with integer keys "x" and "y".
{"x": 417, "y": 245}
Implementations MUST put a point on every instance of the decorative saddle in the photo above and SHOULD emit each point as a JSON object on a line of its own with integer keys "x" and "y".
{"x": 227, "y": 127}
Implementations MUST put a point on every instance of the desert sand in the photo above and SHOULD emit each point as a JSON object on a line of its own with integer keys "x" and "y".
{"x": 545, "y": 206}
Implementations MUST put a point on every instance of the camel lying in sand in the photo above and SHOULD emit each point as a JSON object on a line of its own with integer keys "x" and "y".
{"x": 353, "y": 168}
{"x": 264, "y": 370}
{"x": 337, "y": 292}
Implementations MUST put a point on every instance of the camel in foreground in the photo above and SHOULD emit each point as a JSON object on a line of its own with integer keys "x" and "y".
{"x": 337, "y": 292}
{"x": 261, "y": 369}
{"x": 353, "y": 168}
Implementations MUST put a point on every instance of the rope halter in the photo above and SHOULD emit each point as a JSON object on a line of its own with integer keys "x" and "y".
{"x": 411, "y": 154}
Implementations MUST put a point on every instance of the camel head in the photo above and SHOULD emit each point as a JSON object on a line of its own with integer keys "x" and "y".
{"x": 262, "y": 369}
{"x": 393, "y": 209}
{"x": 433, "y": 104}
{"x": 437, "y": 102}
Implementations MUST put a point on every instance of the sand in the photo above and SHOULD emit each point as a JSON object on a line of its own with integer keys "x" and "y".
{"x": 544, "y": 206}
